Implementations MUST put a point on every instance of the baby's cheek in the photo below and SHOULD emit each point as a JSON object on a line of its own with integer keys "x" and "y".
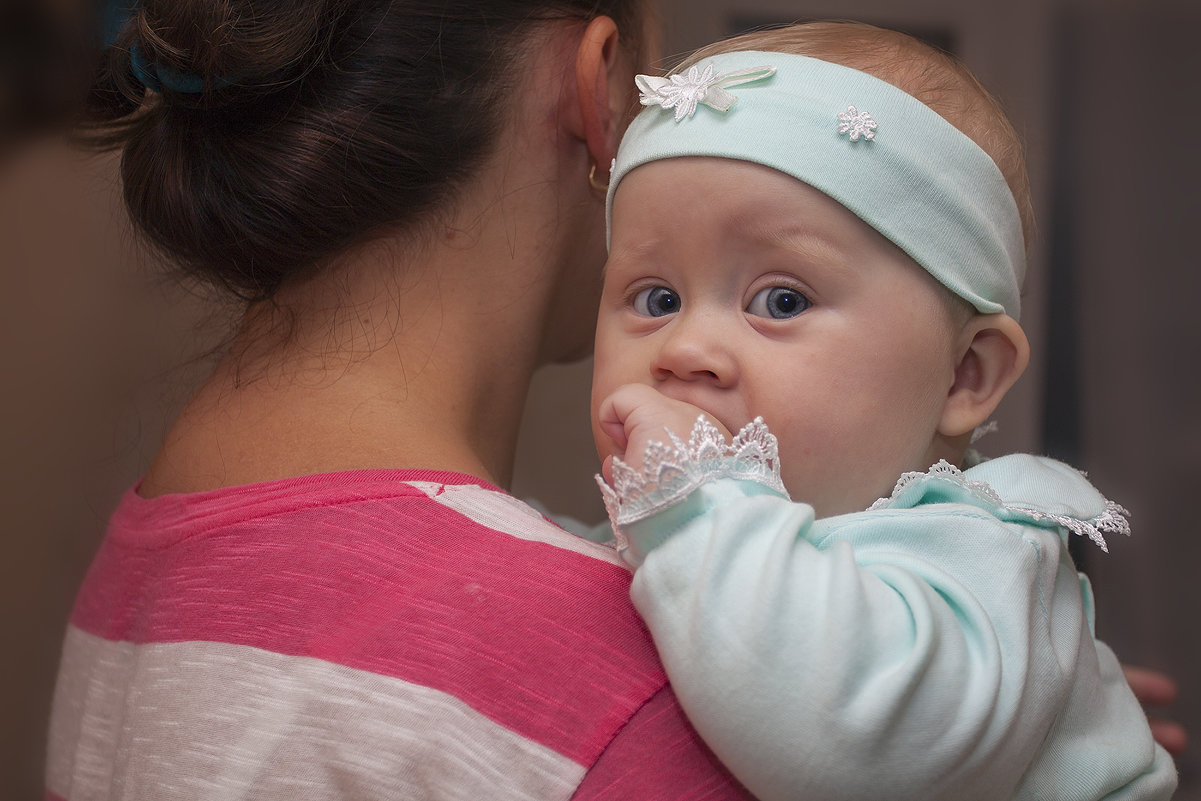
{"x": 795, "y": 456}
{"x": 606, "y": 371}
{"x": 818, "y": 469}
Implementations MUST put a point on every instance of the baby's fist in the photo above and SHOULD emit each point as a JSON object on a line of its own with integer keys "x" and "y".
{"x": 635, "y": 415}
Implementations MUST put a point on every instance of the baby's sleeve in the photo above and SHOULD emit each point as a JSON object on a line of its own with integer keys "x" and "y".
{"x": 840, "y": 671}
{"x": 898, "y": 653}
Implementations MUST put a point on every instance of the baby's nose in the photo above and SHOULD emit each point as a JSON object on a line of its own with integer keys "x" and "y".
{"x": 697, "y": 348}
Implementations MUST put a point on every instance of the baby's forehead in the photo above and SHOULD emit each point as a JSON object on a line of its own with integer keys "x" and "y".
{"x": 665, "y": 201}
{"x": 882, "y": 154}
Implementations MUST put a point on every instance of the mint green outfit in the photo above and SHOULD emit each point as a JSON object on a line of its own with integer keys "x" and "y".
{"x": 937, "y": 646}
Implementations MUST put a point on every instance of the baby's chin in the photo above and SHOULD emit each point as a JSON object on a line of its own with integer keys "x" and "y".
{"x": 818, "y": 484}
{"x": 842, "y": 500}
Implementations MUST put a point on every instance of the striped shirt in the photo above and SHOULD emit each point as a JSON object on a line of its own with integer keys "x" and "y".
{"x": 371, "y": 634}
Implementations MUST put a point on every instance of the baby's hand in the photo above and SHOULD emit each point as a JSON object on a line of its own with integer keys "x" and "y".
{"x": 636, "y": 415}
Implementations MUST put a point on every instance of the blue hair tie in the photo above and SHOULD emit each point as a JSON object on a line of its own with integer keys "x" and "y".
{"x": 154, "y": 77}
{"x": 116, "y": 15}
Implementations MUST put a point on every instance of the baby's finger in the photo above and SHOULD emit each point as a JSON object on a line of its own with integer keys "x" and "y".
{"x": 607, "y": 470}
{"x": 612, "y": 424}
{"x": 615, "y": 411}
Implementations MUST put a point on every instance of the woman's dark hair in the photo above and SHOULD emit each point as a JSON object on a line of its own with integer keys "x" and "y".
{"x": 317, "y": 122}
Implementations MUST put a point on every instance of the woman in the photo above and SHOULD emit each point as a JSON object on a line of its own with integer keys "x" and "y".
{"x": 319, "y": 588}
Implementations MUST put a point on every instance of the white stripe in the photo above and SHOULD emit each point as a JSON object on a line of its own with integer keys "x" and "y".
{"x": 507, "y": 514}
{"x": 216, "y": 721}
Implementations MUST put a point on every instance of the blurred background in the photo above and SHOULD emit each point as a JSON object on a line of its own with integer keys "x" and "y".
{"x": 99, "y": 349}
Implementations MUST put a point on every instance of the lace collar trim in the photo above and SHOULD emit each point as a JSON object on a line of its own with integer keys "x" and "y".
{"x": 1112, "y": 520}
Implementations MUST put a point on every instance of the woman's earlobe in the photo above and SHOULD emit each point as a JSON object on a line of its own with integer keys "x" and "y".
{"x": 993, "y": 355}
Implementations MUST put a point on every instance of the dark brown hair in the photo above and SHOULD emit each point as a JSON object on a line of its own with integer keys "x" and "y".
{"x": 320, "y": 121}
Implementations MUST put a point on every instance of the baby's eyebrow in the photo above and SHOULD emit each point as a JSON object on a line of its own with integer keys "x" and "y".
{"x": 638, "y": 252}
{"x": 810, "y": 245}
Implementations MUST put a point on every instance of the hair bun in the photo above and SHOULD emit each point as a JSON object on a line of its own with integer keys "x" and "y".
{"x": 214, "y": 44}
{"x": 306, "y": 126}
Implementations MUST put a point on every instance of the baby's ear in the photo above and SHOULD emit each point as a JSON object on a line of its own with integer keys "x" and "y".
{"x": 993, "y": 354}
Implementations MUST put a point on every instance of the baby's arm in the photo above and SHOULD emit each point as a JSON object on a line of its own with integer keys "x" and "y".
{"x": 897, "y": 659}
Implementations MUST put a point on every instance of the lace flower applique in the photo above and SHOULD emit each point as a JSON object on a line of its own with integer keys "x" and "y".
{"x": 684, "y": 91}
{"x": 672, "y": 470}
{"x": 855, "y": 123}
{"x": 1113, "y": 520}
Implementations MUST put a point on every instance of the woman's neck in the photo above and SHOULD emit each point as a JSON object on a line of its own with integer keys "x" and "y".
{"x": 366, "y": 386}
{"x": 380, "y": 362}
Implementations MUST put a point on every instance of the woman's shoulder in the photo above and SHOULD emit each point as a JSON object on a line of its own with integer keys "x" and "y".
{"x": 366, "y": 552}
{"x": 412, "y": 596}
{"x": 357, "y": 503}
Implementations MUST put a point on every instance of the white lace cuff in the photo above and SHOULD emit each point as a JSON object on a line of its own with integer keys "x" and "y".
{"x": 671, "y": 471}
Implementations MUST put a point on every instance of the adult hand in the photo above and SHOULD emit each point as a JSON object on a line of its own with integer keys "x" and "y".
{"x": 1153, "y": 688}
{"x": 635, "y": 415}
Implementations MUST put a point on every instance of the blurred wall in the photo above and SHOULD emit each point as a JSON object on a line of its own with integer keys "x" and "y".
{"x": 99, "y": 353}
{"x": 1124, "y": 221}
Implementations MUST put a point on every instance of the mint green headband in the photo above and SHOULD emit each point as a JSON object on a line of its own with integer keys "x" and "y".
{"x": 883, "y": 154}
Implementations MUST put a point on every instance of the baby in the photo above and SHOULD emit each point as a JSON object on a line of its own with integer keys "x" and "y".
{"x": 821, "y": 230}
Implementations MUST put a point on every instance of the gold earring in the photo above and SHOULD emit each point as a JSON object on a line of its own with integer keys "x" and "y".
{"x": 596, "y": 185}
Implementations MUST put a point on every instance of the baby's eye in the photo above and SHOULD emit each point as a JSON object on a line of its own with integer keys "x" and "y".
{"x": 779, "y": 302}
{"x": 656, "y": 302}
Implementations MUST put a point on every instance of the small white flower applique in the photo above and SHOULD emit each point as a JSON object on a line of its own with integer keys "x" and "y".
{"x": 857, "y": 123}
{"x": 684, "y": 92}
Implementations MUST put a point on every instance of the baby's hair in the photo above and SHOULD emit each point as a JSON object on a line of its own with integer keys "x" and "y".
{"x": 305, "y": 127}
{"x": 934, "y": 77}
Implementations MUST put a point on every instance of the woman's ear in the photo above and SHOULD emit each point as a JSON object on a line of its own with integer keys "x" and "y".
{"x": 993, "y": 354}
{"x": 602, "y": 91}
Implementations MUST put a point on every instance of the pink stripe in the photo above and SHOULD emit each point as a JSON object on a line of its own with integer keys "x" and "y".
{"x": 52, "y": 797}
{"x": 683, "y": 767}
{"x": 542, "y": 640}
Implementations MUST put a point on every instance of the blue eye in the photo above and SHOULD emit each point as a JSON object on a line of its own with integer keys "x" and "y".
{"x": 778, "y": 302}
{"x": 656, "y": 302}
